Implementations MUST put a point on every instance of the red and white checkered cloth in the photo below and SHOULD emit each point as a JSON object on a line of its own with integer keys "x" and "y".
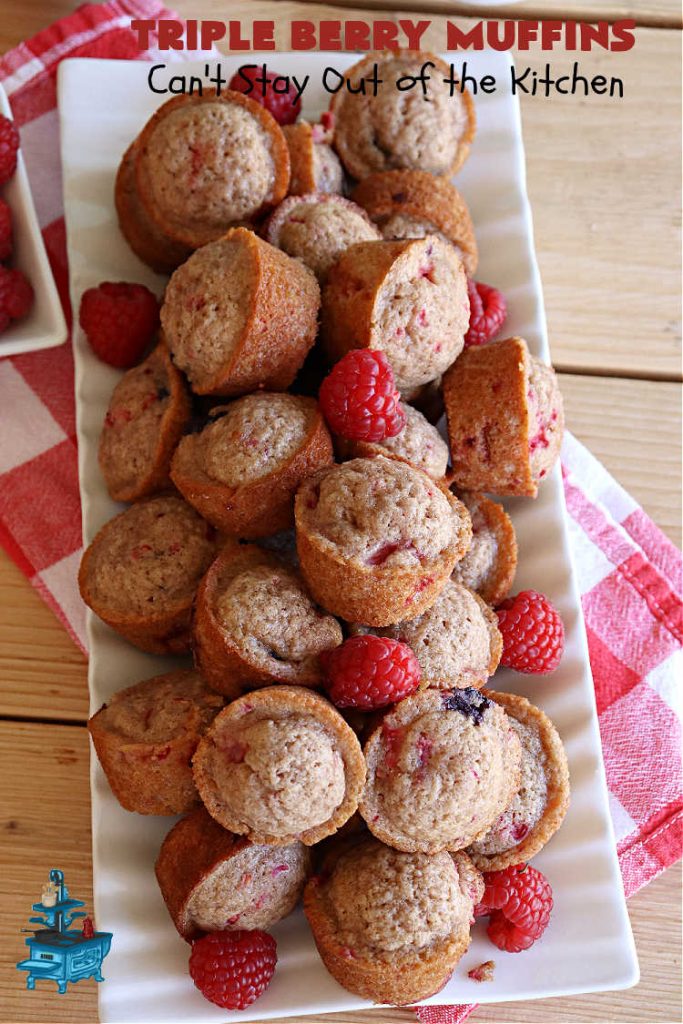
{"x": 629, "y": 573}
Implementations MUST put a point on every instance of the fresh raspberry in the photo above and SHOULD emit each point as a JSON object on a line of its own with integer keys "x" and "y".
{"x": 370, "y": 672}
{"x": 488, "y": 310}
{"x": 5, "y": 231}
{"x": 274, "y": 92}
{"x": 9, "y": 144}
{"x": 533, "y": 633}
{"x": 359, "y": 399}
{"x": 519, "y": 901}
{"x": 119, "y": 320}
{"x": 232, "y": 969}
{"x": 16, "y": 296}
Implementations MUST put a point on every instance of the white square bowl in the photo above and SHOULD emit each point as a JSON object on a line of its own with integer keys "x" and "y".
{"x": 45, "y": 326}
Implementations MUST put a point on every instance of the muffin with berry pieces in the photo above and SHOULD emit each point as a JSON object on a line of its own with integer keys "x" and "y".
{"x": 240, "y": 315}
{"x": 407, "y": 298}
{"x": 317, "y": 228}
{"x": 212, "y": 880}
{"x": 490, "y": 563}
{"x": 396, "y": 129}
{"x": 242, "y": 470}
{"x": 255, "y": 624}
{"x": 442, "y": 767}
{"x": 413, "y": 204}
{"x": 206, "y": 163}
{"x": 541, "y": 801}
{"x": 280, "y": 765}
{"x": 377, "y": 539}
{"x": 147, "y": 239}
{"x": 141, "y": 572}
{"x": 418, "y": 443}
{"x": 315, "y": 167}
{"x": 145, "y": 736}
{"x": 391, "y": 926}
{"x": 457, "y": 641}
{"x": 147, "y": 413}
{"x": 505, "y": 418}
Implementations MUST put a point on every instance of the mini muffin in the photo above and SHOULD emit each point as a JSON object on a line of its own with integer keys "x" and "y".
{"x": 255, "y": 624}
{"x": 144, "y": 236}
{"x": 206, "y": 163}
{"x": 407, "y": 298}
{"x": 214, "y": 881}
{"x": 378, "y": 539}
{"x": 240, "y": 315}
{"x": 280, "y": 765}
{"x": 145, "y": 419}
{"x": 542, "y": 798}
{"x": 402, "y": 129}
{"x": 145, "y": 737}
{"x": 141, "y": 572}
{"x": 413, "y": 204}
{"x": 241, "y": 472}
{"x": 442, "y": 767}
{"x": 505, "y": 418}
{"x": 490, "y": 562}
{"x": 391, "y": 926}
{"x": 419, "y": 443}
{"x": 457, "y": 641}
{"x": 315, "y": 166}
{"x": 318, "y": 228}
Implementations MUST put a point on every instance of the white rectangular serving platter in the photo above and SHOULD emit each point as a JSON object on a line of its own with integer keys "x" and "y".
{"x": 44, "y": 326}
{"x": 588, "y": 945}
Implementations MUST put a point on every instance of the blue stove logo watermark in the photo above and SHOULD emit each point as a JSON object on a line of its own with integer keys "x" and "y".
{"x": 58, "y": 952}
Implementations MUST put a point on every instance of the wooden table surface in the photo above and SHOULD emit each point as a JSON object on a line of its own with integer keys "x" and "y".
{"x": 604, "y": 182}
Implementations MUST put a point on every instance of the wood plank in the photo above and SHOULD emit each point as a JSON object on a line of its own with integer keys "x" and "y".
{"x": 634, "y": 428}
{"x": 44, "y": 674}
{"x": 666, "y": 13}
{"x": 39, "y": 764}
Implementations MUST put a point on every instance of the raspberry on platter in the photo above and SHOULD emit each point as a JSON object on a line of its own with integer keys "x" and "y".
{"x": 274, "y": 92}
{"x": 519, "y": 901}
{"x": 232, "y": 969}
{"x": 533, "y": 633}
{"x": 488, "y": 310}
{"x": 359, "y": 398}
{"x": 370, "y": 672}
{"x": 5, "y": 231}
{"x": 16, "y": 296}
{"x": 9, "y": 144}
{"x": 120, "y": 320}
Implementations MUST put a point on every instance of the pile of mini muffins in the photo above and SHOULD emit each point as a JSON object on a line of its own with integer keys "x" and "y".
{"x": 258, "y": 541}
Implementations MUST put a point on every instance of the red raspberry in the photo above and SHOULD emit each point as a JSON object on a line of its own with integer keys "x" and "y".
{"x": 370, "y": 672}
{"x": 276, "y": 96}
{"x": 232, "y": 969}
{"x": 119, "y": 320}
{"x": 5, "y": 231}
{"x": 16, "y": 296}
{"x": 519, "y": 901}
{"x": 488, "y": 310}
{"x": 359, "y": 399}
{"x": 533, "y": 633}
{"x": 9, "y": 144}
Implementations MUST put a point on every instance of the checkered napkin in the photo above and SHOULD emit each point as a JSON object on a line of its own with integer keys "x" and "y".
{"x": 629, "y": 573}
